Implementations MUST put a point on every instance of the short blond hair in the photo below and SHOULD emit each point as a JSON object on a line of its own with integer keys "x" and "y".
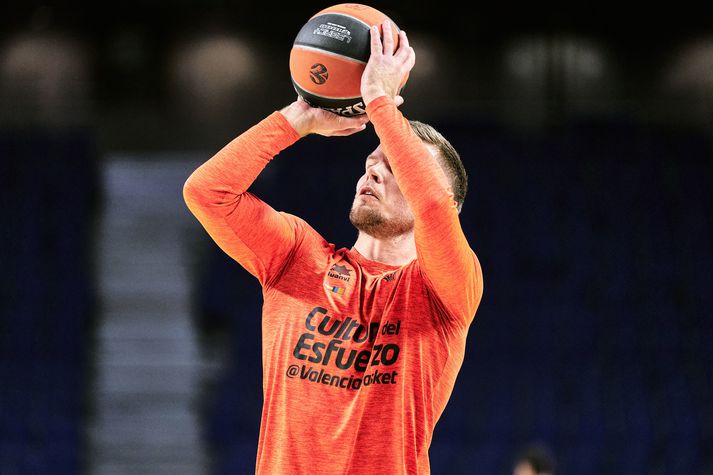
{"x": 450, "y": 160}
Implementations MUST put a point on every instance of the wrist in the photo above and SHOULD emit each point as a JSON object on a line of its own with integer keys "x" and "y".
{"x": 296, "y": 115}
{"x": 369, "y": 95}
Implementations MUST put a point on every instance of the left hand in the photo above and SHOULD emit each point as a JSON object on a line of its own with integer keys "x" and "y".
{"x": 387, "y": 67}
{"x": 312, "y": 120}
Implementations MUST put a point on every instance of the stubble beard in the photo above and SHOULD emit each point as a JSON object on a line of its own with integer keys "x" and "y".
{"x": 371, "y": 221}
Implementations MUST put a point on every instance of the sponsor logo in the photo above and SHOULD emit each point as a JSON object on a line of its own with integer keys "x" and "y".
{"x": 351, "y": 357}
{"x": 390, "y": 277}
{"x": 321, "y": 376}
{"x": 335, "y": 31}
{"x": 339, "y": 272}
{"x": 356, "y": 109}
{"x": 318, "y": 73}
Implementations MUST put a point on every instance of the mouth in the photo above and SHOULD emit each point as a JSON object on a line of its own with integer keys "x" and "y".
{"x": 366, "y": 197}
{"x": 368, "y": 192}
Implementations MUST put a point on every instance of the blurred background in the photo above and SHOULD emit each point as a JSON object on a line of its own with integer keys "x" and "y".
{"x": 130, "y": 343}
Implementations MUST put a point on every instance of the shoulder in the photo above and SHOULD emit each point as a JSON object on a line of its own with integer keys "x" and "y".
{"x": 307, "y": 239}
{"x": 462, "y": 309}
{"x": 301, "y": 227}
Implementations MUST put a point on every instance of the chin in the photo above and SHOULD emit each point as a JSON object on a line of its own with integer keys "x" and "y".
{"x": 372, "y": 222}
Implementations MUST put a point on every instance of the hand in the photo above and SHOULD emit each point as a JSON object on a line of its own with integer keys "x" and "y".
{"x": 386, "y": 68}
{"x": 306, "y": 119}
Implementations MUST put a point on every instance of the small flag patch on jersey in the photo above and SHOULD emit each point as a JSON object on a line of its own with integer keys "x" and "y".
{"x": 339, "y": 290}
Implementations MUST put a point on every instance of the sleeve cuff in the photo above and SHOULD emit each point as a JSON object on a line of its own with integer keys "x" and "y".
{"x": 378, "y": 102}
{"x": 280, "y": 122}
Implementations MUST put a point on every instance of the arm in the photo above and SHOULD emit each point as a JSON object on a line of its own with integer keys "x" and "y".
{"x": 446, "y": 260}
{"x": 246, "y": 228}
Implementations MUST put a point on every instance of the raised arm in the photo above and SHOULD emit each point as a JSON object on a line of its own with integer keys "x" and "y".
{"x": 446, "y": 260}
{"x": 245, "y": 227}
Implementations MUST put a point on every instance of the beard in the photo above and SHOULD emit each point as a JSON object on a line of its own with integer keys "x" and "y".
{"x": 371, "y": 221}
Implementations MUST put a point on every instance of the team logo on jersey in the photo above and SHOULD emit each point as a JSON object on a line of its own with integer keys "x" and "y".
{"x": 340, "y": 272}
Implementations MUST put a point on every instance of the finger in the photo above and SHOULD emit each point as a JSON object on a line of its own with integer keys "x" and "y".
{"x": 349, "y": 131}
{"x": 344, "y": 123}
{"x": 398, "y": 100}
{"x": 403, "y": 42}
{"x": 356, "y": 121}
{"x": 410, "y": 59}
{"x": 376, "y": 47}
{"x": 404, "y": 48}
{"x": 388, "y": 38}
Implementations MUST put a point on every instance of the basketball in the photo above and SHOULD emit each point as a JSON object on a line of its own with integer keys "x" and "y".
{"x": 329, "y": 55}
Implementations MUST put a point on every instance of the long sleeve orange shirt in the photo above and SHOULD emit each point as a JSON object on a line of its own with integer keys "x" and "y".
{"x": 359, "y": 357}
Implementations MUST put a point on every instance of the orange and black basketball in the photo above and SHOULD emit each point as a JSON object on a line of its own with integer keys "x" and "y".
{"x": 329, "y": 55}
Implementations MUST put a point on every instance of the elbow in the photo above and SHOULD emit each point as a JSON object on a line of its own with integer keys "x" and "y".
{"x": 477, "y": 295}
{"x": 187, "y": 187}
{"x": 190, "y": 194}
{"x": 435, "y": 206}
{"x": 208, "y": 197}
{"x": 427, "y": 212}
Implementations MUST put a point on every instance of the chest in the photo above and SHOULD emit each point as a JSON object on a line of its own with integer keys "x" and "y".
{"x": 341, "y": 301}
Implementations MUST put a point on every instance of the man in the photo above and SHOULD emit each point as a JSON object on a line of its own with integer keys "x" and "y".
{"x": 361, "y": 346}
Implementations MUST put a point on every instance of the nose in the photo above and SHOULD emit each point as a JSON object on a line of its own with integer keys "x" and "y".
{"x": 374, "y": 174}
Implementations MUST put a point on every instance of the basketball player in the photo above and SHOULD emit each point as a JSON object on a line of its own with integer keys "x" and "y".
{"x": 361, "y": 346}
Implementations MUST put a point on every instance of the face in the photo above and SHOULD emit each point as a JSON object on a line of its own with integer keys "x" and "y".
{"x": 386, "y": 213}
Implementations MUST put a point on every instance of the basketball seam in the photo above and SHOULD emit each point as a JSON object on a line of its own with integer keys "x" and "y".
{"x": 330, "y": 53}
{"x": 341, "y": 98}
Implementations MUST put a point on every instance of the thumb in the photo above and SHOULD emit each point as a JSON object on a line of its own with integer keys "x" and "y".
{"x": 398, "y": 100}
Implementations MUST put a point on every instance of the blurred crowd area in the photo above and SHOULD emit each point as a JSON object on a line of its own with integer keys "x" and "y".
{"x": 586, "y": 134}
{"x": 157, "y": 75}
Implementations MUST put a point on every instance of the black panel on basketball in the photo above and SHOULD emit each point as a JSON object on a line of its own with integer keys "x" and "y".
{"x": 347, "y": 107}
{"x": 340, "y": 34}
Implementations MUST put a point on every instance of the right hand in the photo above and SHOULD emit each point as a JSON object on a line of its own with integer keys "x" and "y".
{"x": 306, "y": 120}
{"x": 388, "y": 65}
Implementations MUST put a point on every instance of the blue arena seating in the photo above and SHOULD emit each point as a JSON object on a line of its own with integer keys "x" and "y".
{"x": 49, "y": 192}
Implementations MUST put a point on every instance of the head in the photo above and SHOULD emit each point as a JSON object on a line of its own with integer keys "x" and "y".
{"x": 534, "y": 459}
{"x": 389, "y": 215}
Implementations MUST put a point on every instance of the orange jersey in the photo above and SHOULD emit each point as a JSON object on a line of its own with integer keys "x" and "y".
{"x": 359, "y": 357}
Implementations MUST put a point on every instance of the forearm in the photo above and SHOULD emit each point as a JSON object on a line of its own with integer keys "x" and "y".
{"x": 245, "y": 227}
{"x": 232, "y": 170}
{"x": 442, "y": 248}
{"x": 418, "y": 173}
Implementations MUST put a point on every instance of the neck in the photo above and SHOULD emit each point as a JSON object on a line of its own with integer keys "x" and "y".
{"x": 396, "y": 251}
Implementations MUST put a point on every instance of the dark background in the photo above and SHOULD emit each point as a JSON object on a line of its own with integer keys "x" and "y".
{"x": 586, "y": 133}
